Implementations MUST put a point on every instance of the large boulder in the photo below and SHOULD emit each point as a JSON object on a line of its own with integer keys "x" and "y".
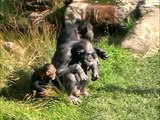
{"x": 101, "y": 14}
{"x": 144, "y": 37}
{"x": 12, "y": 48}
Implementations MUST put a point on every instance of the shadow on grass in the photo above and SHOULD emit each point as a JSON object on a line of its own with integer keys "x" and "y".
{"x": 129, "y": 90}
{"x": 18, "y": 85}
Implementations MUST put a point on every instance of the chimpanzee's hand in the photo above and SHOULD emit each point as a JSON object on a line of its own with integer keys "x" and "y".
{"x": 83, "y": 76}
{"x": 46, "y": 93}
{"x": 95, "y": 76}
{"x": 102, "y": 54}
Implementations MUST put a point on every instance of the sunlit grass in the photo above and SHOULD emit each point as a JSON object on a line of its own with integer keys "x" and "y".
{"x": 17, "y": 68}
{"x": 128, "y": 88}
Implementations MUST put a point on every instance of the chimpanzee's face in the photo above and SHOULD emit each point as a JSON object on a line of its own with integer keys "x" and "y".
{"x": 51, "y": 72}
{"x": 86, "y": 58}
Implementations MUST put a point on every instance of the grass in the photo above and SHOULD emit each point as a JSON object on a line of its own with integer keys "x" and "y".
{"x": 128, "y": 88}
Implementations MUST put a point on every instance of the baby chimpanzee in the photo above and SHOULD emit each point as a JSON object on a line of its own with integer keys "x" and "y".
{"x": 41, "y": 80}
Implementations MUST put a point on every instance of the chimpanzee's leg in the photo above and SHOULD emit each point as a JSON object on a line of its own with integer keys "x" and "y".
{"x": 83, "y": 87}
{"x": 94, "y": 69}
{"x": 71, "y": 83}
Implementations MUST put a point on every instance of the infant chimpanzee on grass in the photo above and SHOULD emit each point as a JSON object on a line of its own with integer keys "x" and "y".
{"x": 43, "y": 82}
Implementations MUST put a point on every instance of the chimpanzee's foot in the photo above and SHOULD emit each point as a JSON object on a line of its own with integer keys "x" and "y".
{"x": 74, "y": 100}
{"x": 77, "y": 93}
{"x": 85, "y": 93}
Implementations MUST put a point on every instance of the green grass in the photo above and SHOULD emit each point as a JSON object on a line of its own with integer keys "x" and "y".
{"x": 128, "y": 88}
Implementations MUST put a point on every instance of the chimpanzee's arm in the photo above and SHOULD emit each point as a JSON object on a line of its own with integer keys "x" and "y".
{"x": 101, "y": 53}
{"x": 76, "y": 68}
{"x": 94, "y": 69}
{"x": 37, "y": 86}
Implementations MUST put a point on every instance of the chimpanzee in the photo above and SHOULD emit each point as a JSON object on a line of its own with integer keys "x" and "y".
{"x": 64, "y": 59}
{"x": 42, "y": 78}
{"x": 70, "y": 34}
{"x": 83, "y": 54}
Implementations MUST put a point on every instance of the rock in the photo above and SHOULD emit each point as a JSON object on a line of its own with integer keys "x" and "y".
{"x": 37, "y": 17}
{"x": 144, "y": 37}
{"x": 12, "y": 47}
{"x": 37, "y": 10}
{"x": 151, "y": 3}
{"x": 101, "y": 14}
{"x": 37, "y": 5}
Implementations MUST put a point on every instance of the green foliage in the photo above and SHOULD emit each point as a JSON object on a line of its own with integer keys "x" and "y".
{"x": 128, "y": 23}
{"x": 7, "y": 6}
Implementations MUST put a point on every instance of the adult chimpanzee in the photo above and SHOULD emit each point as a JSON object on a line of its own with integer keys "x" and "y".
{"x": 71, "y": 34}
{"x": 63, "y": 59}
{"x": 82, "y": 57}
